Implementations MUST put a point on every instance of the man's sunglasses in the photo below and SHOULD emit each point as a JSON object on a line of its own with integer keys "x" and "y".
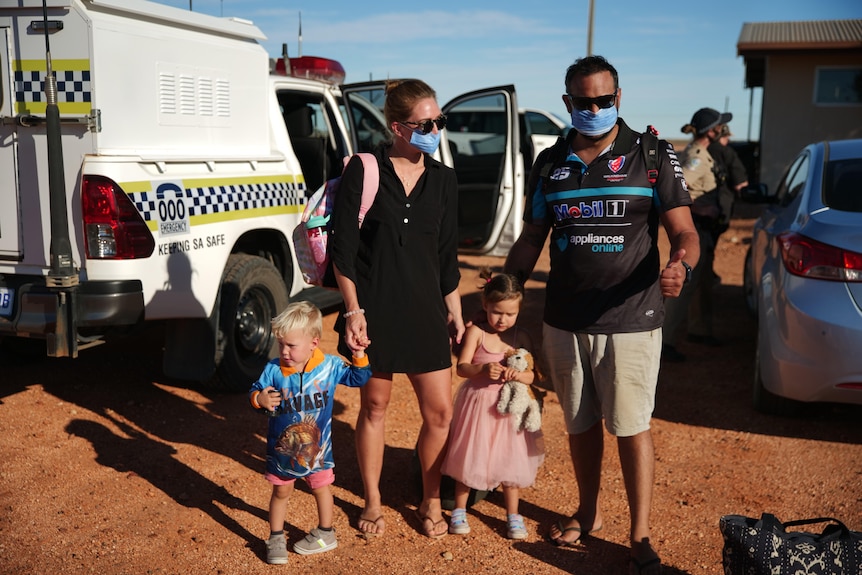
{"x": 427, "y": 125}
{"x": 581, "y": 103}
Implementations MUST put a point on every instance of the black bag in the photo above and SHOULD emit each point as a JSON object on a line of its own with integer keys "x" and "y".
{"x": 765, "y": 547}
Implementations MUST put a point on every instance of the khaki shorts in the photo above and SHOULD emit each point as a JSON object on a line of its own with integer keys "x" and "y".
{"x": 610, "y": 376}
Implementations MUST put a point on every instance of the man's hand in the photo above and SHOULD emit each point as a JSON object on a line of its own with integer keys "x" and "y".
{"x": 673, "y": 275}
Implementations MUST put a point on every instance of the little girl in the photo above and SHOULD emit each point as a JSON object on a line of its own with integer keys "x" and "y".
{"x": 484, "y": 448}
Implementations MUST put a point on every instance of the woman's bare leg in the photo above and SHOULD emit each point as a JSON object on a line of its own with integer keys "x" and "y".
{"x": 434, "y": 392}
{"x": 370, "y": 443}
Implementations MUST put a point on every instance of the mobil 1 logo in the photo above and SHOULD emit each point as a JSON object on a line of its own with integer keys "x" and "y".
{"x": 171, "y": 209}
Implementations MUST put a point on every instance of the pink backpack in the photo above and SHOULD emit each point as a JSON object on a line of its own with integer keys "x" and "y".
{"x": 311, "y": 235}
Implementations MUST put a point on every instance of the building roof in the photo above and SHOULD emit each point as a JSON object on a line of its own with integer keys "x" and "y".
{"x": 801, "y": 35}
{"x": 760, "y": 39}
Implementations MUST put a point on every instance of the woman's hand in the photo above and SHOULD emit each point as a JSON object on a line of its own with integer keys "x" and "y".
{"x": 356, "y": 332}
{"x": 457, "y": 328}
{"x": 453, "y": 317}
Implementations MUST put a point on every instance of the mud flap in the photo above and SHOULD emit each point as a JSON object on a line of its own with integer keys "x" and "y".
{"x": 64, "y": 341}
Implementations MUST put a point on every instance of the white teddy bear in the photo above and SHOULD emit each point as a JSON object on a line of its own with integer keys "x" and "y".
{"x": 518, "y": 399}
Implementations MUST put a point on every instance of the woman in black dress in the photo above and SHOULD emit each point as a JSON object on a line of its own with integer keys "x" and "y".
{"x": 399, "y": 277}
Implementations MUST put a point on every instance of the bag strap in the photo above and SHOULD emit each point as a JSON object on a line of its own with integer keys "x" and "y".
{"x": 649, "y": 147}
{"x": 555, "y": 156}
{"x": 799, "y": 522}
{"x": 837, "y": 530}
{"x": 370, "y": 182}
{"x": 769, "y": 522}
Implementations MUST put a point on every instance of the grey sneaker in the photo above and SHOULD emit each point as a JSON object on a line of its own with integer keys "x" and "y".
{"x": 276, "y": 550}
{"x": 317, "y": 541}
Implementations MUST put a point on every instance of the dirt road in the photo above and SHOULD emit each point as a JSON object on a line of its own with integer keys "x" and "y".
{"x": 108, "y": 467}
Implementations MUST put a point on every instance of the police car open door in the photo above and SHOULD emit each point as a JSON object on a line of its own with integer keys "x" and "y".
{"x": 483, "y": 136}
{"x": 9, "y": 210}
{"x": 481, "y": 143}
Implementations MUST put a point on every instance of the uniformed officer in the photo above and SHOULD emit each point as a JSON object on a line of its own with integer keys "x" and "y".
{"x": 730, "y": 174}
{"x": 695, "y": 302}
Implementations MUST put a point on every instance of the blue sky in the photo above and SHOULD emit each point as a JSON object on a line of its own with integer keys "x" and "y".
{"x": 670, "y": 61}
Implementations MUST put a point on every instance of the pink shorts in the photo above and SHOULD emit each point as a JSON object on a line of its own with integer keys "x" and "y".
{"x": 315, "y": 480}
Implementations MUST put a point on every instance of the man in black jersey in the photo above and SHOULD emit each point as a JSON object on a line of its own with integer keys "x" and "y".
{"x": 602, "y": 203}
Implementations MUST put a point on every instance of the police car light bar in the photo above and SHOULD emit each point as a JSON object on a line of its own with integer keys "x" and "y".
{"x": 314, "y": 68}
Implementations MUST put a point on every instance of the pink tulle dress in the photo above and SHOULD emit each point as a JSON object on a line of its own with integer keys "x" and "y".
{"x": 484, "y": 448}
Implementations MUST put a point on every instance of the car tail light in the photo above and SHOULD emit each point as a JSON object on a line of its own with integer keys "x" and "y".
{"x": 114, "y": 229}
{"x": 812, "y": 259}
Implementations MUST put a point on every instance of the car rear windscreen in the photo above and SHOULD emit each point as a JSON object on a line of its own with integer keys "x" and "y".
{"x": 842, "y": 188}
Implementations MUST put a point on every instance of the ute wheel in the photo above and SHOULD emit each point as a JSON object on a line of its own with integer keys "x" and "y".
{"x": 252, "y": 293}
{"x": 748, "y": 285}
{"x": 767, "y": 402}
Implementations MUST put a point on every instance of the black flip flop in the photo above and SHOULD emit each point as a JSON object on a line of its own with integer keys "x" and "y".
{"x": 560, "y": 542}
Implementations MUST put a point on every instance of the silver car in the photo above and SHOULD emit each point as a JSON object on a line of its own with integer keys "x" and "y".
{"x": 803, "y": 280}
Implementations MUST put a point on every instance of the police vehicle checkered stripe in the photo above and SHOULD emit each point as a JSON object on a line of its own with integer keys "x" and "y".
{"x": 72, "y": 86}
{"x": 220, "y": 199}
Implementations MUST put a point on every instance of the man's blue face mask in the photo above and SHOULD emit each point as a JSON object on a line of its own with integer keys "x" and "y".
{"x": 591, "y": 123}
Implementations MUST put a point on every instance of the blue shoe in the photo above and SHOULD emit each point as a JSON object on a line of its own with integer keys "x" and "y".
{"x": 458, "y": 523}
{"x": 516, "y": 528}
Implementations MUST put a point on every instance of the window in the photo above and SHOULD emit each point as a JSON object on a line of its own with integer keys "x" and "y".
{"x": 541, "y": 124}
{"x": 838, "y": 86}
{"x": 310, "y": 124}
{"x": 366, "y": 121}
{"x": 842, "y": 189}
{"x": 794, "y": 181}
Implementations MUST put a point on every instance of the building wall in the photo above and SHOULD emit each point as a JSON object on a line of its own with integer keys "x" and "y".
{"x": 790, "y": 118}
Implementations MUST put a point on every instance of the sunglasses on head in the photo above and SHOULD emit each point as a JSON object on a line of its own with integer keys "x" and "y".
{"x": 581, "y": 103}
{"x": 427, "y": 125}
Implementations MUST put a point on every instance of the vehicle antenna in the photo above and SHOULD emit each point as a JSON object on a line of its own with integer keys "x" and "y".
{"x": 61, "y": 275}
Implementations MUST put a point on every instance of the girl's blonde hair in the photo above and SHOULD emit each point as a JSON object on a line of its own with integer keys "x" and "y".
{"x": 301, "y": 315}
{"x": 500, "y": 287}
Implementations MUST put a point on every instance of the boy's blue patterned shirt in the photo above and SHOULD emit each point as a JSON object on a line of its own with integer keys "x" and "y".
{"x": 299, "y": 441}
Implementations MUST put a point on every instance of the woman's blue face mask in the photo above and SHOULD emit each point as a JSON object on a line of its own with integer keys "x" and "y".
{"x": 427, "y": 143}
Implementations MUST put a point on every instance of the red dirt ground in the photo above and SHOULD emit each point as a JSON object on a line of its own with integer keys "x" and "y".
{"x": 109, "y": 467}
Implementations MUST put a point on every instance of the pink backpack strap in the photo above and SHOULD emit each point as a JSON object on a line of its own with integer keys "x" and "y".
{"x": 370, "y": 182}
